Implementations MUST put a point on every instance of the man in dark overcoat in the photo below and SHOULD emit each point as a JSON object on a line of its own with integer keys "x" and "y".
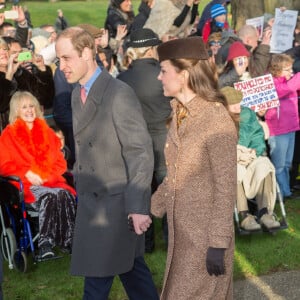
{"x": 113, "y": 171}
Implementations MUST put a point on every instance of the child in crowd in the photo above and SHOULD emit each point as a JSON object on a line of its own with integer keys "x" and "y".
{"x": 283, "y": 121}
{"x": 236, "y": 68}
{"x": 64, "y": 148}
{"x": 217, "y": 23}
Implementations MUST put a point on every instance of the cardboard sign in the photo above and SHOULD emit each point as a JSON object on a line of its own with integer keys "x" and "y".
{"x": 259, "y": 93}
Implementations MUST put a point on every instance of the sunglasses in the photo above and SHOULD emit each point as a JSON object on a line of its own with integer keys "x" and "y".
{"x": 214, "y": 43}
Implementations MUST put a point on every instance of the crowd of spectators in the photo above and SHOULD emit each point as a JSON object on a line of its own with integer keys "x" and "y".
{"x": 126, "y": 48}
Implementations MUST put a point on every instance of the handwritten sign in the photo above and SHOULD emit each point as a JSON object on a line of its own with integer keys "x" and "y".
{"x": 258, "y": 23}
{"x": 283, "y": 30}
{"x": 259, "y": 93}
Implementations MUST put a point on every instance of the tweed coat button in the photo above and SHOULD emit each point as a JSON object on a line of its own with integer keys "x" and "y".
{"x": 167, "y": 163}
{"x": 167, "y": 179}
{"x": 166, "y": 194}
{"x": 167, "y": 145}
{"x": 217, "y": 104}
{"x": 173, "y": 180}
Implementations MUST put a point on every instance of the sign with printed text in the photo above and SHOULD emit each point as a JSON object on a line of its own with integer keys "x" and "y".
{"x": 259, "y": 93}
{"x": 283, "y": 30}
{"x": 258, "y": 23}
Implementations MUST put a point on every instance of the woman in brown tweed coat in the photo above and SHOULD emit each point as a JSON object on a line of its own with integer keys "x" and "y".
{"x": 199, "y": 190}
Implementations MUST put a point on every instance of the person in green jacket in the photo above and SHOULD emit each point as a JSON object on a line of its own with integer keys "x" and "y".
{"x": 256, "y": 174}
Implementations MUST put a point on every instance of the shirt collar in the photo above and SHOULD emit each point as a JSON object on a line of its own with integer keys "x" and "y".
{"x": 90, "y": 82}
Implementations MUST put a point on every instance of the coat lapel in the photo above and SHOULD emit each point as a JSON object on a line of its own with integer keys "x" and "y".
{"x": 84, "y": 114}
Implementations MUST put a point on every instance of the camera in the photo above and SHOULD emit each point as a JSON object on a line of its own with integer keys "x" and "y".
{"x": 240, "y": 61}
{"x": 25, "y": 55}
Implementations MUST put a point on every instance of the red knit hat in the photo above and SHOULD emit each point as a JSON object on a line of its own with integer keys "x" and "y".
{"x": 237, "y": 49}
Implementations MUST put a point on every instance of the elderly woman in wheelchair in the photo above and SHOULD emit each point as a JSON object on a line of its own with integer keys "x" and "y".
{"x": 31, "y": 150}
{"x": 256, "y": 174}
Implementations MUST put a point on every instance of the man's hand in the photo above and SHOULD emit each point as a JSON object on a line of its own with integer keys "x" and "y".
{"x": 267, "y": 34}
{"x": 140, "y": 223}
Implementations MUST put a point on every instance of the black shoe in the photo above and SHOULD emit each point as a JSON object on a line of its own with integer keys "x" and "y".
{"x": 296, "y": 187}
{"x": 46, "y": 251}
{"x": 66, "y": 250}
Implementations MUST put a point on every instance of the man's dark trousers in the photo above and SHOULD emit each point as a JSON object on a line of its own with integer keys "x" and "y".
{"x": 137, "y": 283}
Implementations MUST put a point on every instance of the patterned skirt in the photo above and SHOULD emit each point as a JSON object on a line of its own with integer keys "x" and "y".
{"x": 57, "y": 210}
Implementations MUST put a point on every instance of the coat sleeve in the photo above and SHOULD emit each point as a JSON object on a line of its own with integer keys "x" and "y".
{"x": 9, "y": 158}
{"x": 6, "y": 91}
{"x": 285, "y": 88}
{"x": 228, "y": 79}
{"x": 206, "y": 31}
{"x": 137, "y": 151}
{"x": 259, "y": 60}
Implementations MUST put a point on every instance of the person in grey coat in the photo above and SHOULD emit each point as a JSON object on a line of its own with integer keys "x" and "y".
{"x": 113, "y": 172}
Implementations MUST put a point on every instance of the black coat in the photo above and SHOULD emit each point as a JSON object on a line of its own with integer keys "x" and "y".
{"x": 116, "y": 17}
{"x": 142, "y": 77}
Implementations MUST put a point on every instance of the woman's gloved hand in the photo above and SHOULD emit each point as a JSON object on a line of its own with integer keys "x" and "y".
{"x": 215, "y": 261}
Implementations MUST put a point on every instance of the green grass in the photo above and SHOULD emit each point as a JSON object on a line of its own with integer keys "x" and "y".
{"x": 255, "y": 255}
{"x": 76, "y": 12}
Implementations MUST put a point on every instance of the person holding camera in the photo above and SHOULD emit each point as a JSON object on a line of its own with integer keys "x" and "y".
{"x": 20, "y": 70}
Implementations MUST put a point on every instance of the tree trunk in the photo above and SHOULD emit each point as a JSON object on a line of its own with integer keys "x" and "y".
{"x": 246, "y": 9}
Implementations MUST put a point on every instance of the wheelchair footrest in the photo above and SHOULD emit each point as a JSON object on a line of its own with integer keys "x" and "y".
{"x": 39, "y": 259}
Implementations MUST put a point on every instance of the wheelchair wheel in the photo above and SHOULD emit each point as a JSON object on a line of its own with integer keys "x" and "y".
{"x": 20, "y": 261}
{"x": 11, "y": 248}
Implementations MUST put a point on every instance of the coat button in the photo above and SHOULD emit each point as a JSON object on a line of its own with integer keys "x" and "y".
{"x": 167, "y": 145}
{"x": 78, "y": 142}
{"x": 80, "y": 167}
{"x": 166, "y": 194}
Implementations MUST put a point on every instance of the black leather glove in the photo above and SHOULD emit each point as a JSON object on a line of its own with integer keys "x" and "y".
{"x": 215, "y": 261}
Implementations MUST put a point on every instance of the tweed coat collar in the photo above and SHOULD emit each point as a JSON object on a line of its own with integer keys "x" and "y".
{"x": 195, "y": 107}
{"x": 83, "y": 114}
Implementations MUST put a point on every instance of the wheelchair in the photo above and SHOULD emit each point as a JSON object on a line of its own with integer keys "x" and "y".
{"x": 16, "y": 239}
{"x": 253, "y": 210}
